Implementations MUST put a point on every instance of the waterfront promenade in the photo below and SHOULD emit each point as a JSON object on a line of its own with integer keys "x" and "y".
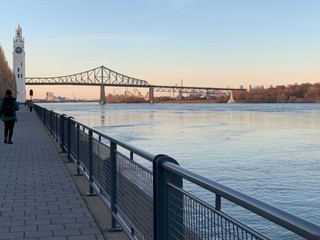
{"x": 40, "y": 198}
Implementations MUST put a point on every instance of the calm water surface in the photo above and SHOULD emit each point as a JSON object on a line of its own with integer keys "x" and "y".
{"x": 268, "y": 151}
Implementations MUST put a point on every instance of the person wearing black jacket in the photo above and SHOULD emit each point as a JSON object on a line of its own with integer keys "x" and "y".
{"x": 8, "y": 106}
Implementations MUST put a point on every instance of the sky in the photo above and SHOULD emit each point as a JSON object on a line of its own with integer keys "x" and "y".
{"x": 205, "y": 43}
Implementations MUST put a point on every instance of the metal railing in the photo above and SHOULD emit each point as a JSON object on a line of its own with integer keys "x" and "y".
{"x": 147, "y": 195}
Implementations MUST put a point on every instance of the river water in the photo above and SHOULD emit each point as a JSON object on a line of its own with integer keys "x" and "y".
{"x": 268, "y": 151}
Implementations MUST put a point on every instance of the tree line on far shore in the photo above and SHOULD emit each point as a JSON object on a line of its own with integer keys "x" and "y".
{"x": 7, "y": 78}
{"x": 297, "y": 93}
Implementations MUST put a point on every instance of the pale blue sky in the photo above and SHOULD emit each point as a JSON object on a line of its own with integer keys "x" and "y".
{"x": 213, "y": 43}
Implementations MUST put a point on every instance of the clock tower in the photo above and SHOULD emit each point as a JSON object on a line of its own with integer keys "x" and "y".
{"x": 19, "y": 64}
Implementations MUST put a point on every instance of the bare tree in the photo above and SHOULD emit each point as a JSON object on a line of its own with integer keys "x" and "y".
{"x": 7, "y": 78}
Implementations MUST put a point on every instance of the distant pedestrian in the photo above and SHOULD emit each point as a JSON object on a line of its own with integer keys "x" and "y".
{"x": 30, "y": 105}
{"x": 8, "y": 107}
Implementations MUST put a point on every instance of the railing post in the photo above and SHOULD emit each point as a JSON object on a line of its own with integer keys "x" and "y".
{"x": 91, "y": 192}
{"x": 56, "y": 127}
{"x": 44, "y": 117}
{"x": 218, "y": 202}
{"x": 160, "y": 197}
{"x": 113, "y": 194}
{"x": 78, "y": 147}
{"x": 51, "y": 113}
{"x": 69, "y": 138}
{"x": 62, "y": 131}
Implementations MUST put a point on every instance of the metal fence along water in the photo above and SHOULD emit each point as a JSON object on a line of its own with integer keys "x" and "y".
{"x": 150, "y": 201}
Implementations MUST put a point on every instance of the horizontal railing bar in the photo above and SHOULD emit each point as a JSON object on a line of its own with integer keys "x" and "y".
{"x": 278, "y": 216}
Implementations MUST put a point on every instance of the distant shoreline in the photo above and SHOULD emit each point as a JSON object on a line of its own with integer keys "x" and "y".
{"x": 180, "y": 102}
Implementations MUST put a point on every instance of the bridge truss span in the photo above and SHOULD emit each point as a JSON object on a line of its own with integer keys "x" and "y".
{"x": 100, "y": 76}
{"x": 194, "y": 90}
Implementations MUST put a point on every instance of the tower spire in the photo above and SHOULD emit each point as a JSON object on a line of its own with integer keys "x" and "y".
{"x": 18, "y": 37}
{"x": 19, "y": 64}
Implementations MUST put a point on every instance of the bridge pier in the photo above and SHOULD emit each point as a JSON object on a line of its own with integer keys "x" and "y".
{"x": 102, "y": 99}
{"x": 151, "y": 95}
{"x": 208, "y": 96}
{"x": 180, "y": 94}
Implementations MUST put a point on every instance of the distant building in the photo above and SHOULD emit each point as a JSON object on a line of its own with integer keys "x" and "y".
{"x": 19, "y": 64}
{"x": 49, "y": 96}
{"x": 258, "y": 87}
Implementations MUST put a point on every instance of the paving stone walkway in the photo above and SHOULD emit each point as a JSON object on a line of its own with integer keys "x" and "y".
{"x": 38, "y": 198}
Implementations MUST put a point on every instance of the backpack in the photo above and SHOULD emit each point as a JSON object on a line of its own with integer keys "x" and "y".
{"x": 8, "y": 106}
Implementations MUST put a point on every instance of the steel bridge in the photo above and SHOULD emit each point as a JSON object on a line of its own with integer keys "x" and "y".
{"x": 103, "y": 76}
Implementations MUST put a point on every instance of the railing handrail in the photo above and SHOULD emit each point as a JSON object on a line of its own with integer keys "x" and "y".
{"x": 276, "y": 215}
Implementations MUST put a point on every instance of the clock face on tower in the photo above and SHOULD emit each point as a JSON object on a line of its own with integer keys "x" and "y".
{"x": 18, "y": 50}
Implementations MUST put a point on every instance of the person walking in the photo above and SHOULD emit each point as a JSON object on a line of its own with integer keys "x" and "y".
{"x": 8, "y": 107}
{"x": 30, "y": 105}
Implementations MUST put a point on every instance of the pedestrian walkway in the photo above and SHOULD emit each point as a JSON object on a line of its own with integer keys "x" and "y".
{"x": 39, "y": 199}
